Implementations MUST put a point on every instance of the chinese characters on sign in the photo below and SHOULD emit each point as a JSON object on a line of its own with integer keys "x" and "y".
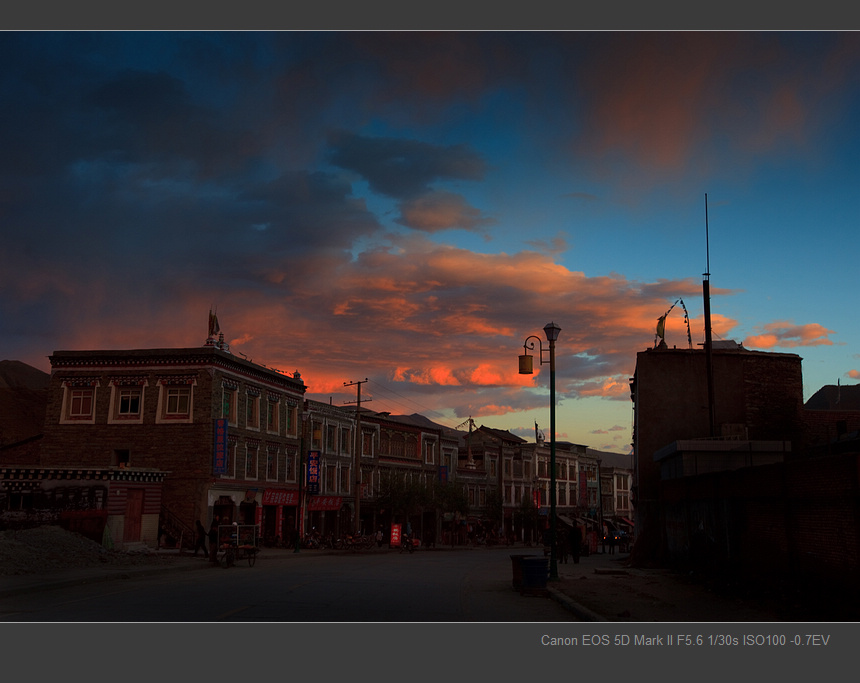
{"x": 220, "y": 456}
{"x": 325, "y": 503}
{"x": 313, "y": 472}
{"x": 395, "y": 535}
{"x": 276, "y": 497}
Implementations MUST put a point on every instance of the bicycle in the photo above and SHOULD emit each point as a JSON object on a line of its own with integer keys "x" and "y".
{"x": 407, "y": 543}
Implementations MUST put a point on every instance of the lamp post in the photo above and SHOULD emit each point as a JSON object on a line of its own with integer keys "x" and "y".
{"x": 551, "y": 330}
{"x": 305, "y": 415}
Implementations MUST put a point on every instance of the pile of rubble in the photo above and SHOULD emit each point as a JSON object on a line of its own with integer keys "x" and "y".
{"x": 50, "y": 548}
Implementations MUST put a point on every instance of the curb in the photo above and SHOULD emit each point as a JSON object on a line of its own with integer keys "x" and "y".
{"x": 581, "y": 612}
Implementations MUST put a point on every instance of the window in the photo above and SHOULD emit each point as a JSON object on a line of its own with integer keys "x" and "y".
{"x": 292, "y": 413}
{"x": 330, "y": 478}
{"x": 230, "y": 464}
{"x": 344, "y": 480}
{"x": 229, "y": 401}
{"x": 126, "y": 401}
{"x": 367, "y": 447}
{"x": 411, "y": 447}
{"x": 316, "y": 436}
{"x": 121, "y": 457}
{"x": 178, "y": 401}
{"x": 331, "y": 439}
{"x": 175, "y": 401}
{"x": 251, "y": 451}
{"x": 129, "y": 402}
{"x": 345, "y": 441}
{"x": 290, "y": 465}
{"x": 272, "y": 422}
{"x": 430, "y": 452}
{"x": 252, "y": 411}
{"x": 79, "y": 402}
{"x": 272, "y": 462}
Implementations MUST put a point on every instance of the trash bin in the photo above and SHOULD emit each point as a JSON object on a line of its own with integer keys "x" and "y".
{"x": 535, "y": 574}
{"x": 517, "y": 566}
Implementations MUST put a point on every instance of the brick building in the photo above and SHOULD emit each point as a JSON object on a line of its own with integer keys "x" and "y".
{"x": 757, "y": 397}
{"x": 223, "y": 429}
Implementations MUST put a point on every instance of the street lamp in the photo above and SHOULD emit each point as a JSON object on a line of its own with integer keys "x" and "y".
{"x": 551, "y": 330}
{"x": 300, "y": 522}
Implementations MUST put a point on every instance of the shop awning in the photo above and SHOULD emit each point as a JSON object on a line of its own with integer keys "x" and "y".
{"x": 567, "y": 520}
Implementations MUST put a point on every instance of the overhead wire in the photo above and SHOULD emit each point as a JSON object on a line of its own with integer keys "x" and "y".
{"x": 424, "y": 410}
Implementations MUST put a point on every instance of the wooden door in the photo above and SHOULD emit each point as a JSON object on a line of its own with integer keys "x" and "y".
{"x": 133, "y": 515}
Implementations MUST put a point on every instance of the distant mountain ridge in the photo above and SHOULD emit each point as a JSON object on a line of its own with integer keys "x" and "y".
{"x": 23, "y": 401}
{"x": 17, "y": 375}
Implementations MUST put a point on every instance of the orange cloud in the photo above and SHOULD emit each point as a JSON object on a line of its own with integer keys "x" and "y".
{"x": 787, "y": 335}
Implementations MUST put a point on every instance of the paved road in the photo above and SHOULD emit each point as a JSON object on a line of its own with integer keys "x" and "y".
{"x": 370, "y": 587}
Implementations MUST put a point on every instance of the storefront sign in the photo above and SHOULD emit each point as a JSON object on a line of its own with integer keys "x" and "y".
{"x": 278, "y": 497}
{"x": 219, "y": 465}
{"x": 395, "y": 535}
{"x": 313, "y": 472}
{"x": 325, "y": 503}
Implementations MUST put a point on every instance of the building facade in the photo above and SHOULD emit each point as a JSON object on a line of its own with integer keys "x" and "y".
{"x": 225, "y": 430}
{"x": 753, "y": 397}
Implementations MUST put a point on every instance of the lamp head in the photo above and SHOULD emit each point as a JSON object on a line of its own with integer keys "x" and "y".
{"x": 552, "y": 331}
{"x": 526, "y": 367}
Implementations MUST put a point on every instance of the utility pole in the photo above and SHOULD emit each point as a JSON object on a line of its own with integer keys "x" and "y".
{"x": 358, "y": 447}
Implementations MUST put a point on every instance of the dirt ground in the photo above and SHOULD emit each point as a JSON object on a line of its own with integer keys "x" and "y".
{"x": 51, "y": 548}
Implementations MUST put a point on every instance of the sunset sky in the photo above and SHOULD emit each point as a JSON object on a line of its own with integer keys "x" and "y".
{"x": 409, "y": 207}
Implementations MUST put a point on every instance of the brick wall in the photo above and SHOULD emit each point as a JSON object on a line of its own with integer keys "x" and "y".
{"x": 795, "y": 523}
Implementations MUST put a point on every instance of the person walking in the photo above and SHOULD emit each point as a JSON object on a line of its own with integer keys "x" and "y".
{"x": 201, "y": 539}
{"x": 213, "y": 540}
{"x": 575, "y": 544}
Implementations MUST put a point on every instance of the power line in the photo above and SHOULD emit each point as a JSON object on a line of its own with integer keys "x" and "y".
{"x": 423, "y": 409}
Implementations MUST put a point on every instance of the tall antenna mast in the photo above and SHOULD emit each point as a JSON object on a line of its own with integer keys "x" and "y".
{"x": 709, "y": 358}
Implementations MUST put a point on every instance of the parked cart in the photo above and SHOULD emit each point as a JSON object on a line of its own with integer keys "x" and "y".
{"x": 237, "y": 542}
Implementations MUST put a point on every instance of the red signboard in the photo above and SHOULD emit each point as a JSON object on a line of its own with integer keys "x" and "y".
{"x": 221, "y": 455}
{"x": 395, "y": 535}
{"x": 279, "y": 497}
{"x": 324, "y": 503}
{"x": 313, "y": 486}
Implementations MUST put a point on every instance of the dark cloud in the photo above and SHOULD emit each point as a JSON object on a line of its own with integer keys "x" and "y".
{"x": 403, "y": 169}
